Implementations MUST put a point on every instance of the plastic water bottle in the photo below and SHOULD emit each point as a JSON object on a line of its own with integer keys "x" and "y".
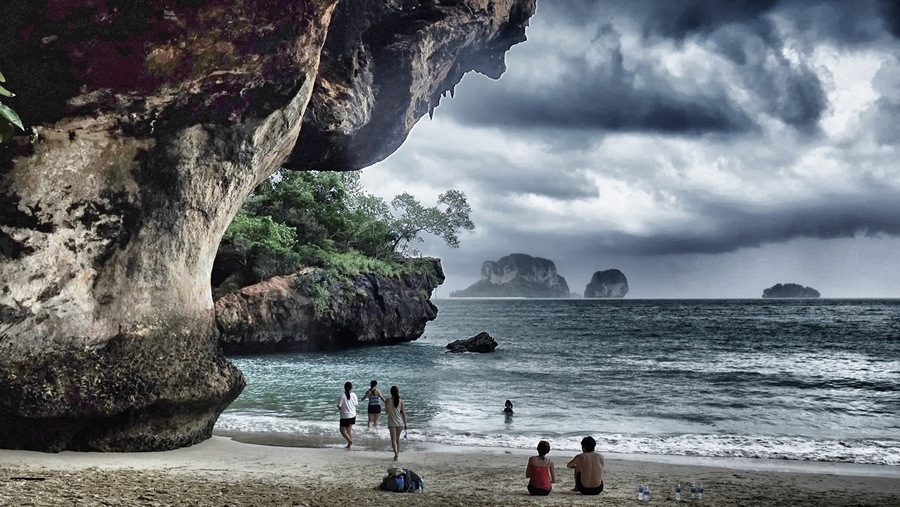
{"x": 647, "y": 494}
{"x": 641, "y": 492}
{"x": 421, "y": 486}
{"x": 700, "y": 491}
{"x": 678, "y": 492}
{"x": 693, "y": 491}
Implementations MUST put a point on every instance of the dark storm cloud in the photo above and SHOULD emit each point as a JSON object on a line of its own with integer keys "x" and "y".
{"x": 891, "y": 11}
{"x": 734, "y": 228}
{"x": 605, "y": 96}
{"x": 577, "y": 94}
{"x": 841, "y": 21}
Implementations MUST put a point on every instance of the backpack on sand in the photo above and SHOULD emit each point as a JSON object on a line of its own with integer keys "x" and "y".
{"x": 401, "y": 480}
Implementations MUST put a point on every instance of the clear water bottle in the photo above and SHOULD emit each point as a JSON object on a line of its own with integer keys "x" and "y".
{"x": 647, "y": 494}
{"x": 693, "y": 491}
{"x": 641, "y": 492}
{"x": 700, "y": 491}
{"x": 678, "y": 492}
{"x": 421, "y": 486}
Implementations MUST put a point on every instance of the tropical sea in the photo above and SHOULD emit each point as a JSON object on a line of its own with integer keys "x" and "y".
{"x": 810, "y": 380}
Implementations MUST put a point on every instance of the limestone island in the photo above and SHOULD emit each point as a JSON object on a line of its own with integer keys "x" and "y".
{"x": 607, "y": 284}
{"x": 517, "y": 275}
{"x": 790, "y": 290}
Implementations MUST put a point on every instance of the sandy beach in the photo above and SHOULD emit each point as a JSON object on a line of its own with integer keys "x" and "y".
{"x": 224, "y": 472}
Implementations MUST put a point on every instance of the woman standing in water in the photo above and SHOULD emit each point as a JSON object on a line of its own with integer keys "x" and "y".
{"x": 396, "y": 419}
{"x": 346, "y": 403}
{"x": 375, "y": 398}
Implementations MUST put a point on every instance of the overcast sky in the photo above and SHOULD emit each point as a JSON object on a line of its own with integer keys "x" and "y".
{"x": 704, "y": 148}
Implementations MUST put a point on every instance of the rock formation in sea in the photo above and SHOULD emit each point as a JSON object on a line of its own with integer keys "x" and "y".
{"x": 610, "y": 283}
{"x": 149, "y": 124}
{"x": 288, "y": 312}
{"x": 481, "y": 343}
{"x": 790, "y": 290}
{"x": 517, "y": 275}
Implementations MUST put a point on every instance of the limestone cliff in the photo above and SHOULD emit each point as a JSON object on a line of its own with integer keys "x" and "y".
{"x": 607, "y": 284}
{"x": 149, "y": 124}
{"x": 790, "y": 290}
{"x": 285, "y": 313}
{"x": 517, "y": 275}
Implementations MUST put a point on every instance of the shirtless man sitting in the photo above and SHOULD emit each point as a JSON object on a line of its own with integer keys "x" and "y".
{"x": 588, "y": 468}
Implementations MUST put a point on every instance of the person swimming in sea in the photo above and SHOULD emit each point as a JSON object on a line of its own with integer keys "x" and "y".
{"x": 508, "y": 408}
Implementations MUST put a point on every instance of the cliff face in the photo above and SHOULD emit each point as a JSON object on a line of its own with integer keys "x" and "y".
{"x": 790, "y": 290}
{"x": 518, "y": 275}
{"x": 607, "y": 284}
{"x": 281, "y": 314}
{"x": 150, "y": 124}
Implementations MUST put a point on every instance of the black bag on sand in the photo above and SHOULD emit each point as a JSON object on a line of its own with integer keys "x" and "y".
{"x": 401, "y": 480}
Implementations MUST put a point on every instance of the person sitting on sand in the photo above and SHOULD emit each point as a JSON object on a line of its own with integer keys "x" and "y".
{"x": 347, "y": 403}
{"x": 588, "y": 468}
{"x": 396, "y": 413}
{"x": 374, "y": 395}
{"x": 540, "y": 471}
{"x": 508, "y": 408}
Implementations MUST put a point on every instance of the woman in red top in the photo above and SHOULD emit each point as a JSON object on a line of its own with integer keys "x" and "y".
{"x": 540, "y": 471}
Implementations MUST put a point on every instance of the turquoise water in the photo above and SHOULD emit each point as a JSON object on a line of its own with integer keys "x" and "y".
{"x": 795, "y": 379}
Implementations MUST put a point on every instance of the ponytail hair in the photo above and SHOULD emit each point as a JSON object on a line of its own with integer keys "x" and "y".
{"x": 347, "y": 387}
{"x": 395, "y": 395}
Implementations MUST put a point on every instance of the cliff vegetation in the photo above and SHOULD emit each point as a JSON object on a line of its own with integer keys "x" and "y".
{"x": 326, "y": 220}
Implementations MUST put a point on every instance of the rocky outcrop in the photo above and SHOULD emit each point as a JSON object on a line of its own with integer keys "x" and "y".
{"x": 790, "y": 290}
{"x": 517, "y": 275}
{"x": 289, "y": 313}
{"x": 482, "y": 342}
{"x": 607, "y": 284}
{"x": 149, "y": 124}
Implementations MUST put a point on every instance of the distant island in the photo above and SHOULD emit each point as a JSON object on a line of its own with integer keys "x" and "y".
{"x": 790, "y": 290}
{"x": 607, "y": 284}
{"x": 517, "y": 275}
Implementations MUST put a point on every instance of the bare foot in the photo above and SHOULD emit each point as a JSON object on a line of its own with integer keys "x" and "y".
{"x": 396, "y": 457}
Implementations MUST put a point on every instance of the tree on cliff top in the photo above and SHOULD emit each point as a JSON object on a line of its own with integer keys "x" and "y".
{"x": 414, "y": 219}
{"x": 326, "y": 219}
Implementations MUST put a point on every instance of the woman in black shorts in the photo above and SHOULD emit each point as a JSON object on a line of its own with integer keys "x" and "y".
{"x": 346, "y": 403}
{"x": 375, "y": 398}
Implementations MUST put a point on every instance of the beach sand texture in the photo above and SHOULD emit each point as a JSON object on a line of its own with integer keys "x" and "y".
{"x": 222, "y": 472}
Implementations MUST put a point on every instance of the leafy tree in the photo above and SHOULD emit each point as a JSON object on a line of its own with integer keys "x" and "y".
{"x": 327, "y": 220}
{"x": 8, "y": 117}
{"x": 414, "y": 219}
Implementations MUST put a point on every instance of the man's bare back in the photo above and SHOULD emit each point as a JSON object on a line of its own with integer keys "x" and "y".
{"x": 590, "y": 466}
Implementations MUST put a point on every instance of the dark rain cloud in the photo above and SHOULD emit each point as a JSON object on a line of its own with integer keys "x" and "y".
{"x": 584, "y": 95}
{"x": 891, "y": 12}
{"x": 840, "y": 21}
{"x": 578, "y": 94}
{"x": 735, "y": 227}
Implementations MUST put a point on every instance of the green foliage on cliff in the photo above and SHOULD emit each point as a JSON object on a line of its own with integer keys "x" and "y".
{"x": 413, "y": 219}
{"x": 8, "y": 117}
{"x": 327, "y": 220}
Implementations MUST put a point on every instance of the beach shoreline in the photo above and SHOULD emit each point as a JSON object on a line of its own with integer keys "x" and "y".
{"x": 224, "y": 471}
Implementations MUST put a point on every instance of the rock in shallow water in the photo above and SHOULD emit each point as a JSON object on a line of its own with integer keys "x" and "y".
{"x": 482, "y": 342}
